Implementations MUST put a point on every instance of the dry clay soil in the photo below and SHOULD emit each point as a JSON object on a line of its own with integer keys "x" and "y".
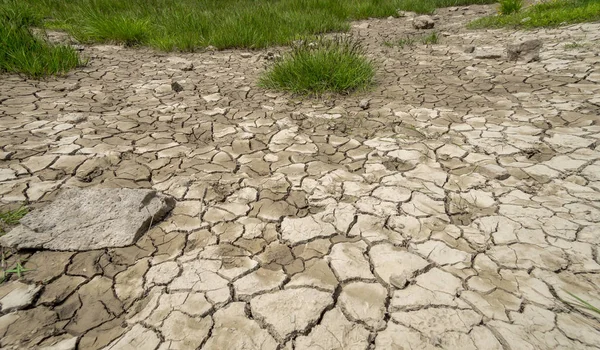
{"x": 453, "y": 210}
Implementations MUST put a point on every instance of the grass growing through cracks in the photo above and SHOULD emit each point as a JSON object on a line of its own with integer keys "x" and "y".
{"x": 335, "y": 65}
{"x": 546, "y": 14}
{"x": 187, "y": 25}
{"x": 6, "y": 272}
{"x": 11, "y": 217}
{"x": 580, "y": 303}
{"x": 21, "y": 52}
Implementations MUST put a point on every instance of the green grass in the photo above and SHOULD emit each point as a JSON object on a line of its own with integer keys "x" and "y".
{"x": 580, "y": 303}
{"x": 508, "y": 7}
{"x": 548, "y": 14}
{"x": 574, "y": 45}
{"x": 324, "y": 66}
{"x": 7, "y": 271}
{"x": 188, "y": 25}
{"x": 428, "y": 6}
{"x": 11, "y": 217}
{"x": 21, "y": 52}
{"x": 431, "y": 39}
{"x": 18, "y": 269}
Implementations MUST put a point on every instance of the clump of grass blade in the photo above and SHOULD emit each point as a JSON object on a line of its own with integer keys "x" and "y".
{"x": 10, "y": 218}
{"x": 508, "y": 7}
{"x": 428, "y": 6}
{"x": 431, "y": 39}
{"x": 579, "y": 302}
{"x": 338, "y": 65}
{"x": 406, "y": 42}
{"x": 574, "y": 45}
{"x": 551, "y": 13}
{"x": 115, "y": 28}
{"x": 22, "y": 52}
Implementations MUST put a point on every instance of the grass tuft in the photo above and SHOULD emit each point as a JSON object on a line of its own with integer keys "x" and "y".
{"x": 335, "y": 65}
{"x": 580, "y": 303}
{"x": 546, "y": 14}
{"x": 428, "y": 6}
{"x": 6, "y": 272}
{"x": 431, "y": 39}
{"x": 574, "y": 45}
{"x": 508, "y": 7}
{"x": 11, "y": 217}
{"x": 24, "y": 53}
{"x": 129, "y": 31}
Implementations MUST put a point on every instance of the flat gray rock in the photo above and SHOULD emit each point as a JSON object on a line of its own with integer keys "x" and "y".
{"x": 91, "y": 218}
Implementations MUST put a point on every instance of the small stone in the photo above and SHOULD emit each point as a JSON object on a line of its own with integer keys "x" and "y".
{"x": 176, "y": 86}
{"x": 528, "y": 50}
{"x": 423, "y": 22}
{"x": 364, "y": 103}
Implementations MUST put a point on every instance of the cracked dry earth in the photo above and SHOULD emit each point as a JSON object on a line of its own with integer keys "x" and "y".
{"x": 455, "y": 211}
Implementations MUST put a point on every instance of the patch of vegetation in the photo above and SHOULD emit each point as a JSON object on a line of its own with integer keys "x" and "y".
{"x": 187, "y": 25}
{"x": 508, "y": 7}
{"x": 546, "y": 14}
{"x": 6, "y": 272}
{"x": 580, "y": 303}
{"x": 24, "y": 53}
{"x": 335, "y": 65}
{"x": 429, "y": 39}
{"x": 428, "y": 6}
{"x": 574, "y": 45}
{"x": 10, "y": 218}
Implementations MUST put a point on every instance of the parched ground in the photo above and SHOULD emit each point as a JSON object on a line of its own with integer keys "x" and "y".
{"x": 454, "y": 211}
